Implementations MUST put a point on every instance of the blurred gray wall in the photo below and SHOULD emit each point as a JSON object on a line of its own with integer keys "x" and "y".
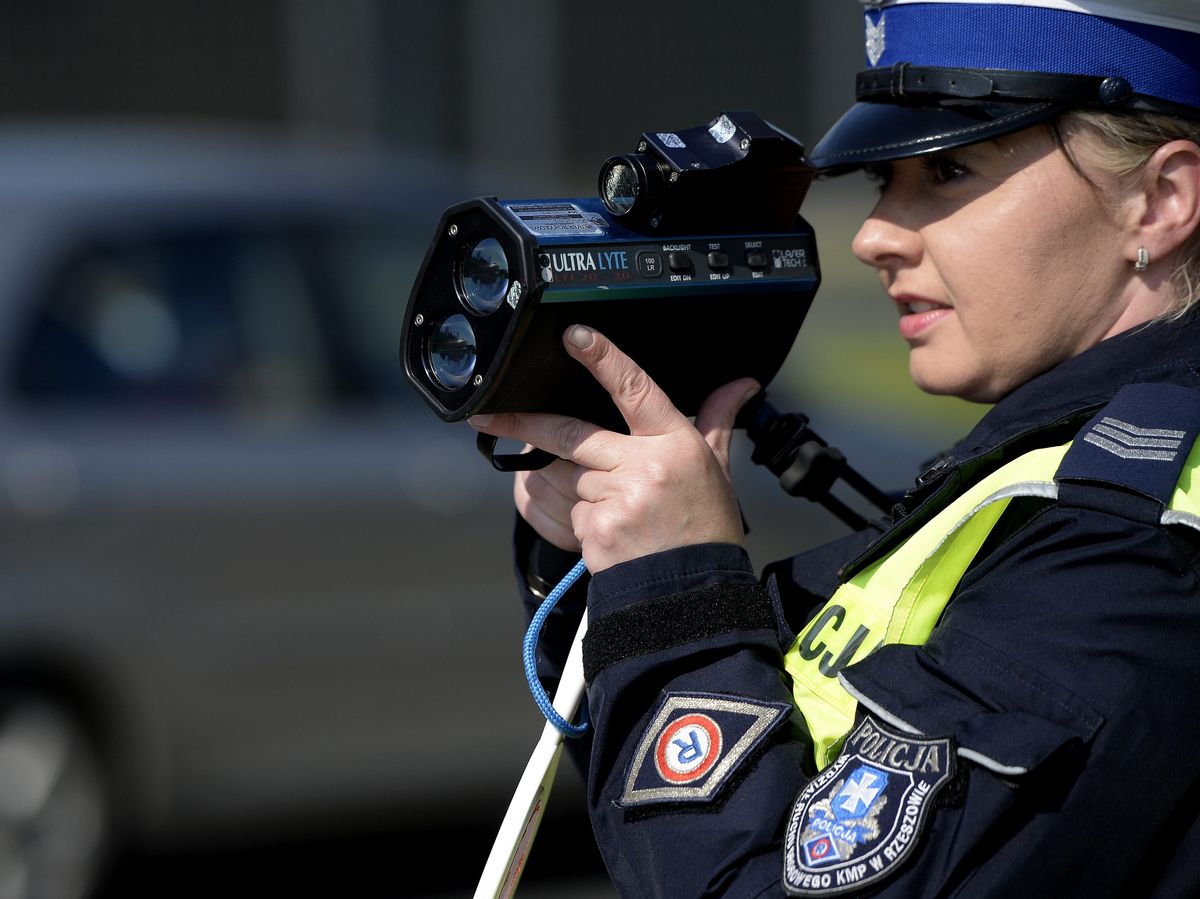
{"x": 536, "y": 91}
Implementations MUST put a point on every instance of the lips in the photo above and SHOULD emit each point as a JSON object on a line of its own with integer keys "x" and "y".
{"x": 919, "y": 306}
{"x": 910, "y": 303}
{"x": 918, "y": 314}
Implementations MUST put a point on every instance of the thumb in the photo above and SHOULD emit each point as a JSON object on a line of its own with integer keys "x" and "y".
{"x": 715, "y": 419}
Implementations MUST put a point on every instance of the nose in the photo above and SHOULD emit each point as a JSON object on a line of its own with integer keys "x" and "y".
{"x": 885, "y": 240}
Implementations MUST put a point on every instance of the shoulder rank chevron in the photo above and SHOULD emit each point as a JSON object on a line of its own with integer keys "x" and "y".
{"x": 1139, "y": 441}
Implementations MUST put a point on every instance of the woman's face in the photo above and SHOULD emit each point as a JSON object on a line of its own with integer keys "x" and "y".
{"x": 1002, "y": 259}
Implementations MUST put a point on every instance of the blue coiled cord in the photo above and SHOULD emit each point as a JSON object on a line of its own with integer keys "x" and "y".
{"x": 529, "y": 648}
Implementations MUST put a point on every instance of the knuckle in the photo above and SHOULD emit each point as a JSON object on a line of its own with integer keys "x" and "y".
{"x": 634, "y": 386}
{"x": 568, "y": 433}
{"x": 656, "y": 472}
{"x": 604, "y": 530}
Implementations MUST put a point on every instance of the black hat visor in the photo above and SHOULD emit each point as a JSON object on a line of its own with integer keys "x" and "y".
{"x": 872, "y": 132}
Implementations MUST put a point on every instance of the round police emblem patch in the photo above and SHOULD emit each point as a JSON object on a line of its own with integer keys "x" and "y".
{"x": 688, "y": 748}
{"x": 859, "y": 819}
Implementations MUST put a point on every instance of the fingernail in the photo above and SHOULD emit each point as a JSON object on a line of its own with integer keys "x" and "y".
{"x": 479, "y": 421}
{"x": 751, "y": 393}
{"x": 581, "y": 336}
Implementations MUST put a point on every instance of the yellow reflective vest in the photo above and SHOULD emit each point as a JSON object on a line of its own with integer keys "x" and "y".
{"x": 900, "y": 598}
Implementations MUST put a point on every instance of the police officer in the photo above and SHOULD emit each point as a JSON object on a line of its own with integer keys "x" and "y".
{"x": 997, "y": 691}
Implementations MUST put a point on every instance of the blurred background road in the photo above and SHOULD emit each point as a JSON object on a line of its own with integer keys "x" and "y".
{"x": 257, "y": 633}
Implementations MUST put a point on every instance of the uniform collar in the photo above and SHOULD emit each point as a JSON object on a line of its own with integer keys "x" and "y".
{"x": 1046, "y": 410}
{"x": 1159, "y": 351}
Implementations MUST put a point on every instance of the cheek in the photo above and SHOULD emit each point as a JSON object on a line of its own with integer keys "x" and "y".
{"x": 1077, "y": 273}
{"x": 989, "y": 277}
{"x": 1006, "y": 327}
{"x": 1036, "y": 260}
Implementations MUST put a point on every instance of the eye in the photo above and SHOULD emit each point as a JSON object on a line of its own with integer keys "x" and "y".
{"x": 944, "y": 169}
{"x": 879, "y": 174}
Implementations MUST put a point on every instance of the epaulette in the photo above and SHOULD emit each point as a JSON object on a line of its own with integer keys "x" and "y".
{"x": 1138, "y": 443}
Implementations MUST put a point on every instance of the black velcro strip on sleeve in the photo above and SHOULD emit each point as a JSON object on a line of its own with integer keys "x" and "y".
{"x": 659, "y": 624}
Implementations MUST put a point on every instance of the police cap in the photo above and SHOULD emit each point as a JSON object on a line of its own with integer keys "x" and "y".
{"x": 946, "y": 73}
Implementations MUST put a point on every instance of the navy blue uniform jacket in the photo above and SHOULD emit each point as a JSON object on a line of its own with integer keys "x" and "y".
{"x": 1070, "y": 653}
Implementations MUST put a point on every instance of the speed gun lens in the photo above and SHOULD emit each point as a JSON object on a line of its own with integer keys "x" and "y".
{"x": 452, "y": 352}
{"x": 483, "y": 276}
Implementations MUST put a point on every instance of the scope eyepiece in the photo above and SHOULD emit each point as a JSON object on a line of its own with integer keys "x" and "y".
{"x": 632, "y": 186}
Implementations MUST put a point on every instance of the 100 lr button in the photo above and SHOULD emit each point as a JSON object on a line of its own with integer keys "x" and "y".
{"x": 649, "y": 265}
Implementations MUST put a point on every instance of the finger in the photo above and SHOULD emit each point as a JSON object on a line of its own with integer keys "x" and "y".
{"x": 592, "y": 486}
{"x": 550, "y": 528}
{"x": 718, "y": 413}
{"x": 566, "y": 437}
{"x": 558, "y": 477}
{"x": 548, "y": 496}
{"x": 579, "y": 523}
{"x": 645, "y": 408}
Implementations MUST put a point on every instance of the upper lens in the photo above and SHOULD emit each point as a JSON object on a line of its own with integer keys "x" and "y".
{"x": 620, "y": 188}
{"x": 483, "y": 276}
{"x": 452, "y": 352}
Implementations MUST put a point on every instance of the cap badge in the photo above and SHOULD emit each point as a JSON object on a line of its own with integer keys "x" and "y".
{"x": 876, "y": 39}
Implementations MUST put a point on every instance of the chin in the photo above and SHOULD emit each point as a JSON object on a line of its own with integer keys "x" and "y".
{"x": 944, "y": 383}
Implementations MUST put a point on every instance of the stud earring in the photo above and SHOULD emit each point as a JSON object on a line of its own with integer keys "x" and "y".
{"x": 1143, "y": 260}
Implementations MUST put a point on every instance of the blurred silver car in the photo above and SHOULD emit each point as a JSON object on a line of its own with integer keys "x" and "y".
{"x": 247, "y": 581}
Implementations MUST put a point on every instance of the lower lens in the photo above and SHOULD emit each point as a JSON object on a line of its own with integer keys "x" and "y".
{"x": 452, "y": 352}
{"x": 619, "y": 188}
{"x": 483, "y": 276}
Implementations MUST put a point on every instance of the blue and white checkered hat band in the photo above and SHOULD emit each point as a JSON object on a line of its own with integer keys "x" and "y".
{"x": 1156, "y": 52}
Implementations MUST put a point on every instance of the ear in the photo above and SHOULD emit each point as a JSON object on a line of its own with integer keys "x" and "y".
{"x": 1167, "y": 213}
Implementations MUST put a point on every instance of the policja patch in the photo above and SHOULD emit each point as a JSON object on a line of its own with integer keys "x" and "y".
{"x": 858, "y": 820}
{"x": 693, "y": 745}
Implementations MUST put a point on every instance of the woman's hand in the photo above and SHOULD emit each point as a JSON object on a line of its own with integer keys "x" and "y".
{"x": 665, "y": 484}
{"x": 545, "y": 499}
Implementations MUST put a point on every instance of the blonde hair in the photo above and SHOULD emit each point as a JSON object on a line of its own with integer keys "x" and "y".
{"x": 1123, "y": 145}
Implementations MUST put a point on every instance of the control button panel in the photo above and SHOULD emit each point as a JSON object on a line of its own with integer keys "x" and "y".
{"x": 729, "y": 260}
